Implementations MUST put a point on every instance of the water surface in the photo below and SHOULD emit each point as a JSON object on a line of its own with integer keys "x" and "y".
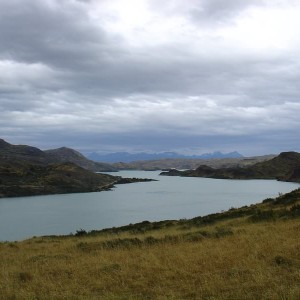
{"x": 168, "y": 198}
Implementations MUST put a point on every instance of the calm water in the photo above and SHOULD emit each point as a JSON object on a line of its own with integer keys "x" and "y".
{"x": 168, "y": 198}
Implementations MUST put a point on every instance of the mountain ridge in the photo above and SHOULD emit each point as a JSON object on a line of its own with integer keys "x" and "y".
{"x": 127, "y": 157}
{"x": 189, "y": 163}
{"x": 10, "y": 152}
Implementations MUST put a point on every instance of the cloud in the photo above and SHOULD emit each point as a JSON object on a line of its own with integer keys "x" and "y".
{"x": 140, "y": 75}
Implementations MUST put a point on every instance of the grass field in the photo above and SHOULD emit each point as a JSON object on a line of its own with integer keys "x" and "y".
{"x": 247, "y": 253}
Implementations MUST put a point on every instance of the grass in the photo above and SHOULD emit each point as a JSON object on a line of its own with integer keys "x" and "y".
{"x": 247, "y": 253}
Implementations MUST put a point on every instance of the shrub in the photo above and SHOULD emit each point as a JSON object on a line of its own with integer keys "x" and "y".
{"x": 295, "y": 210}
{"x": 80, "y": 232}
{"x": 25, "y": 276}
{"x": 263, "y": 215}
{"x": 223, "y": 231}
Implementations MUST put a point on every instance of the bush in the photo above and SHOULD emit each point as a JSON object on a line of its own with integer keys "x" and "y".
{"x": 263, "y": 215}
{"x": 223, "y": 231}
{"x": 80, "y": 232}
{"x": 25, "y": 276}
{"x": 295, "y": 210}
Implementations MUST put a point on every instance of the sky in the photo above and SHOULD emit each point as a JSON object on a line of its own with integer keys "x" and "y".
{"x": 190, "y": 76}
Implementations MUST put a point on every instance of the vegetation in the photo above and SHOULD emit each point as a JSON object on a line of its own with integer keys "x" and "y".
{"x": 22, "y": 153}
{"x": 24, "y": 179}
{"x": 244, "y": 253}
{"x": 28, "y": 171}
{"x": 285, "y": 167}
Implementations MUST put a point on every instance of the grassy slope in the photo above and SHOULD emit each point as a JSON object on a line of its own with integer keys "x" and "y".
{"x": 247, "y": 253}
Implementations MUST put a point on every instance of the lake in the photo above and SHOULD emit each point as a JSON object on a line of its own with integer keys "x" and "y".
{"x": 168, "y": 198}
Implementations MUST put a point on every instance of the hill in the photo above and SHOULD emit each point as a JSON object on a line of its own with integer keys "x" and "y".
{"x": 250, "y": 252}
{"x": 65, "y": 154}
{"x": 29, "y": 171}
{"x": 9, "y": 152}
{"x": 24, "y": 179}
{"x": 285, "y": 167}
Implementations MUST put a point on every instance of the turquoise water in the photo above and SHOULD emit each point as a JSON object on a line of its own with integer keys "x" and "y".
{"x": 168, "y": 198}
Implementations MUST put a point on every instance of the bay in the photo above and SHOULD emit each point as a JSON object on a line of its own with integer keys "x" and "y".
{"x": 168, "y": 198}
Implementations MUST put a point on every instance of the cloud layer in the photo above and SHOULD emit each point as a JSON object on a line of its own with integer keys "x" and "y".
{"x": 190, "y": 76}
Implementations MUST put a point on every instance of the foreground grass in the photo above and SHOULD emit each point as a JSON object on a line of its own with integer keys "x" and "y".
{"x": 247, "y": 253}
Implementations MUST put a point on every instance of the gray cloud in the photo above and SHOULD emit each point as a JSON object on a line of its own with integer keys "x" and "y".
{"x": 78, "y": 72}
{"x": 218, "y": 12}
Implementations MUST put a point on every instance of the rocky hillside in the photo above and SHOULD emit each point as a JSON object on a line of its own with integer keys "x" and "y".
{"x": 285, "y": 167}
{"x": 9, "y": 152}
{"x": 21, "y": 178}
{"x": 28, "y": 171}
{"x": 65, "y": 154}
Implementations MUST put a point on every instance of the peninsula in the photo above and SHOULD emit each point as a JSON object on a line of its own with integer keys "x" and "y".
{"x": 29, "y": 171}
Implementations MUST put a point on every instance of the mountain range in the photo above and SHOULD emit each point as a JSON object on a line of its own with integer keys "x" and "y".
{"x": 127, "y": 157}
{"x": 190, "y": 163}
{"x": 27, "y": 170}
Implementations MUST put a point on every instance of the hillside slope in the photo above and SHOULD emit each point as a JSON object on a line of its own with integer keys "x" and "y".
{"x": 65, "y": 154}
{"x": 24, "y": 179}
{"x": 285, "y": 167}
{"x": 9, "y": 152}
{"x": 29, "y": 171}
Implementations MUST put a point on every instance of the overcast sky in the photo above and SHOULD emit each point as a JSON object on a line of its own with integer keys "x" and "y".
{"x": 134, "y": 75}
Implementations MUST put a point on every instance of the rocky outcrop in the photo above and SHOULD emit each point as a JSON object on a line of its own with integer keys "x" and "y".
{"x": 284, "y": 167}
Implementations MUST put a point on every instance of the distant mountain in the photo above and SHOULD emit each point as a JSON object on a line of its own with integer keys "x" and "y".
{"x": 190, "y": 163}
{"x": 9, "y": 152}
{"x": 285, "y": 167}
{"x": 142, "y": 156}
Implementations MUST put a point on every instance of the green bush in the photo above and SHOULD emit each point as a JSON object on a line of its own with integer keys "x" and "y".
{"x": 263, "y": 215}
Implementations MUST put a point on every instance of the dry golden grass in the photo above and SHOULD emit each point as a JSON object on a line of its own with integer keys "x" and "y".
{"x": 229, "y": 259}
{"x": 258, "y": 261}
